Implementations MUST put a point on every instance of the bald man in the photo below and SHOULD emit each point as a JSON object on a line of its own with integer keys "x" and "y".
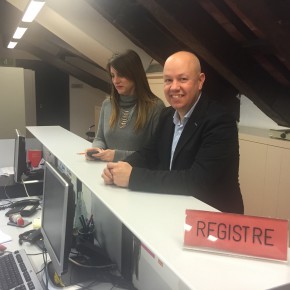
{"x": 195, "y": 150}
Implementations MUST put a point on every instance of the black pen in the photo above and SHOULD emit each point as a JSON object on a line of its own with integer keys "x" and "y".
{"x": 82, "y": 220}
{"x": 90, "y": 221}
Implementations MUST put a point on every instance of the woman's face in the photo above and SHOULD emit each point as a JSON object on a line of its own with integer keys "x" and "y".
{"x": 124, "y": 86}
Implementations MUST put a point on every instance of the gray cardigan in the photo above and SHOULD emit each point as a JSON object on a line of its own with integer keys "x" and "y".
{"x": 125, "y": 140}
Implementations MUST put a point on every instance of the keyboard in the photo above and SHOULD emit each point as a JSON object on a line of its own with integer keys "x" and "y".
{"x": 16, "y": 272}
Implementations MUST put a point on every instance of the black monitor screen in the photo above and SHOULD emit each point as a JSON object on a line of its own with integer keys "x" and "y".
{"x": 20, "y": 165}
{"x": 57, "y": 217}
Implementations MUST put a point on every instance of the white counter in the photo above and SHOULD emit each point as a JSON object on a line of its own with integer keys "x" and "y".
{"x": 157, "y": 220}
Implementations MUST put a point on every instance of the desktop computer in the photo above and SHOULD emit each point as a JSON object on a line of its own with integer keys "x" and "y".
{"x": 75, "y": 257}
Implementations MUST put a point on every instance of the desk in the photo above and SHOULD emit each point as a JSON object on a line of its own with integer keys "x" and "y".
{"x": 158, "y": 220}
{"x": 14, "y": 233}
{"x": 36, "y": 257}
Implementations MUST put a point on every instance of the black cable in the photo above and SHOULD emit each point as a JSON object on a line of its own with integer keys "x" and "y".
{"x": 6, "y": 205}
{"x": 5, "y": 192}
{"x": 44, "y": 256}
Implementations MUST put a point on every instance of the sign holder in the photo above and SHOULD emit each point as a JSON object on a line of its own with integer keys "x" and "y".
{"x": 229, "y": 233}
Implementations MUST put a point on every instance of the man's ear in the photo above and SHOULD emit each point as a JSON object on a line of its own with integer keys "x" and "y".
{"x": 201, "y": 80}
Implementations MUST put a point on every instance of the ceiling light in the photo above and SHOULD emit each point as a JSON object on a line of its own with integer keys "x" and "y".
{"x": 30, "y": 13}
{"x": 32, "y": 10}
{"x": 19, "y": 32}
{"x": 12, "y": 44}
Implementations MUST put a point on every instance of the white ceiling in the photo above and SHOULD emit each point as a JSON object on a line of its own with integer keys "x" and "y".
{"x": 84, "y": 29}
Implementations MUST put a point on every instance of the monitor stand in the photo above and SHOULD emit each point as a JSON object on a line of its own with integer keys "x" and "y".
{"x": 75, "y": 278}
{"x": 34, "y": 176}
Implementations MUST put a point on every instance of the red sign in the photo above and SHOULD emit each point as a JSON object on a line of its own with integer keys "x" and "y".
{"x": 233, "y": 233}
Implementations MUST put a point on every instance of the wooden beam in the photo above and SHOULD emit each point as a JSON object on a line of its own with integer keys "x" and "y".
{"x": 271, "y": 22}
{"x": 66, "y": 67}
{"x": 193, "y": 26}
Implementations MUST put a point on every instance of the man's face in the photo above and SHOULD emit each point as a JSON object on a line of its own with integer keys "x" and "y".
{"x": 182, "y": 83}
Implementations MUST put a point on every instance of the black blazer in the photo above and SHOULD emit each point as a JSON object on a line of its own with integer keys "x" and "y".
{"x": 205, "y": 163}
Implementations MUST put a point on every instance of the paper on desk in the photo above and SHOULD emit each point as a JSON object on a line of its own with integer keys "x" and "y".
{"x": 6, "y": 171}
{"x": 4, "y": 237}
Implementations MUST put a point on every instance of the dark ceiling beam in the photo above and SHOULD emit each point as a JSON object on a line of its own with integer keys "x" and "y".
{"x": 88, "y": 67}
{"x": 209, "y": 42}
{"x": 193, "y": 41}
{"x": 271, "y": 21}
{"x": 135, "y": 24}
{"x": 227, "y": 20}
{"x": 197, "y": 29}
{"x": 10, "y": 17}
{"x": 259, "y": 48}
{"x": 142, "y": 29}
{"x": 66, "y": 67}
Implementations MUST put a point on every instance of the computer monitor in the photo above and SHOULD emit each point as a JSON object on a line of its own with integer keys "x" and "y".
{"x": 57, "y": 217}
{"x": 20, "y": 164}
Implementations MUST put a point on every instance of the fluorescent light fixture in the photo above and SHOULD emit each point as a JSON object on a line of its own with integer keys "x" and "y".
{"x": 19, "y": 32}
{"x": 12, "y": 44}
{"x": 30, "y": 13}
{"x": 32, "y": 10}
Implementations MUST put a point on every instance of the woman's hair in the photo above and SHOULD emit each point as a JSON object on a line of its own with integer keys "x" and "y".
{"x": 129, "y": 65}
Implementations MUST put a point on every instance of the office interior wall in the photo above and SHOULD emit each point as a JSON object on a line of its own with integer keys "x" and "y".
{"x": 252, "y": 116}
{"x": 7, "y": 150}
{"x": 264, "y": 174}
{"x": 15, "y": 83}
{"x": 155, "y": 81}
{"x": 30, "y": 97}
{"x": 83, "y": 99}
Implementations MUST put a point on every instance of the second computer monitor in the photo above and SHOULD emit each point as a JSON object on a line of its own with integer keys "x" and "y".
{"x": 20, "y": 164}
{"x": 57, "y": 217}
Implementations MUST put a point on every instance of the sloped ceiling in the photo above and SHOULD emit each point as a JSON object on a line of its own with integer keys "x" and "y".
{"x": 244, "y": 46}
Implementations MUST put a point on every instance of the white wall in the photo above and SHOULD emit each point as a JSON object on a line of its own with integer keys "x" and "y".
{"x": 17, "y": 108}
{"x": 7, "y": 150}
{"x": 12, "y": 101}
{"x": 252, "y": 116}
{"x": 83, "y": 99}
{"x": 30, "y": 97}
{"x": 156, "y": 83}
{"x": 17, "y": 100}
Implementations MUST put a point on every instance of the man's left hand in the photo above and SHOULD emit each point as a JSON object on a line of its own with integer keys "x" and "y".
{"x": 120, "y": 173}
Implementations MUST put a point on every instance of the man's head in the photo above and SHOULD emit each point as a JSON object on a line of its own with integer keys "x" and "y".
{"x": 183, "y": 81}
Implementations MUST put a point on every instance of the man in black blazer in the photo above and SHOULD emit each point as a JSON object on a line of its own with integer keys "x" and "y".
{"x": 195, "y": 150}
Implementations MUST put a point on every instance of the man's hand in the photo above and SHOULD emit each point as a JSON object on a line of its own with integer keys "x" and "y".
{"x": 107, "y": 176}
{"x": 117, "y": 173}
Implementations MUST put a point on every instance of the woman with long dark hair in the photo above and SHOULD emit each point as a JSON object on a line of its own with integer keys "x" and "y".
{"x": 130, "y": 116}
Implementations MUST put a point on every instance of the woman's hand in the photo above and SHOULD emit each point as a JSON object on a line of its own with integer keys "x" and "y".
{"x": 92, "y": 153}
{"x": 106, "y": 155}
{"x": 100, "y": 154}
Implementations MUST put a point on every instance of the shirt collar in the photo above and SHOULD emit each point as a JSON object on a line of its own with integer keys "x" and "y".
{"x": 176, "y": 119}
